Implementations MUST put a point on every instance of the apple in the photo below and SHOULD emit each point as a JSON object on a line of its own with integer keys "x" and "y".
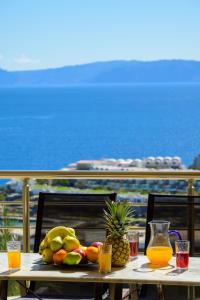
{"x": 83, "y": 254}
{"x": 96, "y": 244}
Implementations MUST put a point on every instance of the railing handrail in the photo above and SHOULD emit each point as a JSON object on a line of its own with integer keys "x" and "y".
{"x": 36, "y": 174}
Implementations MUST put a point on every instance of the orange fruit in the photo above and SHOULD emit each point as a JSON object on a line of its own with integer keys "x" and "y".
{"x": 59, "y": 256}
{"x": 92, "y": 253}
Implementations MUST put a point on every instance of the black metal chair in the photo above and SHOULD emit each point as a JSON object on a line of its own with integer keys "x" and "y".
{"x": 84, "y": 213}
{"x": 183, "y": 212}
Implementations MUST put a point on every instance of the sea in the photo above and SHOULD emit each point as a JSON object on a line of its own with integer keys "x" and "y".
{"x": 48, "y": 128}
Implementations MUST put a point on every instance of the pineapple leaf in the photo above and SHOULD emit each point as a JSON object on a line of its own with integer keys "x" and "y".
{"x": 118, "y": 217}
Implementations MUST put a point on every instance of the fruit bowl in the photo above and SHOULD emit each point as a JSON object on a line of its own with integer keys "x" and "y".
{"x": 61, "y": 247}
{"x": 88, "y": 265}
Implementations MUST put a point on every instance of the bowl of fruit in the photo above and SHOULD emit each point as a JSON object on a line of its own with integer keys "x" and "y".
{"x": 61, "y": 247}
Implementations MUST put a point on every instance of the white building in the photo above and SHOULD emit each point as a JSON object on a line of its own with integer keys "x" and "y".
{"x": 167, "y": 161}
{"x": 111, "y": 164}
{"x": 84, "y": 165}
{"x": 176, "y": 162}
{"x": 149, "y": 162}
{"x": 136, "y": 163}
{"x": 159, "y": 162}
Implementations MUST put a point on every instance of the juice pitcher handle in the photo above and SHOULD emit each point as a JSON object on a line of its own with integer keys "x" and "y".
{"x": 177, "y": 234}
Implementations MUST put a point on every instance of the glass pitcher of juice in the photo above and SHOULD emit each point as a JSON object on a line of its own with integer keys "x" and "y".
{"x": 159, "y": 250}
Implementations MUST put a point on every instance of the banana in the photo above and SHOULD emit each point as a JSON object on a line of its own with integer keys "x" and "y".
{"x": 47, "y": 255}
{"x": 42, "y": 247}
{"x": 61, "y": 231}
{"x": 71, "y": 231}
{"x": 45, "y": 242}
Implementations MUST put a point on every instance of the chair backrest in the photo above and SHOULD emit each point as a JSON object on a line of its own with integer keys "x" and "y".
{"x": 183, "y": 212}
{"x": 83, "y": 212}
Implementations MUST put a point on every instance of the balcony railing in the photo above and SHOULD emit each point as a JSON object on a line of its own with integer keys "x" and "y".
{"x": 25, "y": 176}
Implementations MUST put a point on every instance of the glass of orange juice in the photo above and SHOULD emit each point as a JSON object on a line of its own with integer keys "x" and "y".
{"x": 105, "y": 257}
{"x": 14, "y": 254}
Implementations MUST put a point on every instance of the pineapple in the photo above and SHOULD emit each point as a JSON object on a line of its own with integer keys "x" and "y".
{"x": 118, "y": 217}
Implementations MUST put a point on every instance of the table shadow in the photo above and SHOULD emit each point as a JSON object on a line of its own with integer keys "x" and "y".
{"x": 147, "y": 268}
{"x": 39, "y": 261}
{"x": 131, "y": 258}
{"x": 8, "y": 272}
{"x": 42, "y": 266}
{"x": 176, "y": 272}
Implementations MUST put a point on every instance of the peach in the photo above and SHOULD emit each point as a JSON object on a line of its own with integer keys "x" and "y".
{"x": 83, "y": 254}
{"x": 97, "y": 244}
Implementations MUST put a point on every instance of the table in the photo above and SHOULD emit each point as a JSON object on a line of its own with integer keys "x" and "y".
{"x": 137, "y": 271}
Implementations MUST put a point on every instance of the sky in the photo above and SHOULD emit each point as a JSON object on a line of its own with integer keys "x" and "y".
{"x": 37, "y": 34}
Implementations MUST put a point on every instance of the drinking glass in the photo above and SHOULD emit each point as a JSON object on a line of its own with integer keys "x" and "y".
{"x": 182, "y": 254}
{"x": 14, "y": 254}
{"x": 105, "y": 258}
{"x": 133, "y": 237}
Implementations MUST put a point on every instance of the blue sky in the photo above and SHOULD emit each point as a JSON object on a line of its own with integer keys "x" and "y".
{"x": 51, "y": 33}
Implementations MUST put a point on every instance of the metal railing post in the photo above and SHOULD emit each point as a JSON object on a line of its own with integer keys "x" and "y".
{"x": 190, "y": 187}
{"x": 26, "y": 224}
{"x": 191, "y": 290}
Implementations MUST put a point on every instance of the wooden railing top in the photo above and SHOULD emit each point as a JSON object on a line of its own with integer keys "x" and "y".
{"x": 36, "y": 174}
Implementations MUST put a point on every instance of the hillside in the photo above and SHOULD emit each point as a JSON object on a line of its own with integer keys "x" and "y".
{"x": 113, "y": 72}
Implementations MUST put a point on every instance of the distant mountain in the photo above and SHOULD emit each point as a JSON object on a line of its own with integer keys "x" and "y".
{"x": 106, "y": 73}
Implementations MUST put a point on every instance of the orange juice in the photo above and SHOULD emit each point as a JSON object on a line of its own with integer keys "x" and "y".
{"x": 14, "y": 259}
{"x": 105, "y": 262}
{"x": 159, "y": 256}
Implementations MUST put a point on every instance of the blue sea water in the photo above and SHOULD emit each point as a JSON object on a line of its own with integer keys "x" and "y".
{"x": 47, "y": 128}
